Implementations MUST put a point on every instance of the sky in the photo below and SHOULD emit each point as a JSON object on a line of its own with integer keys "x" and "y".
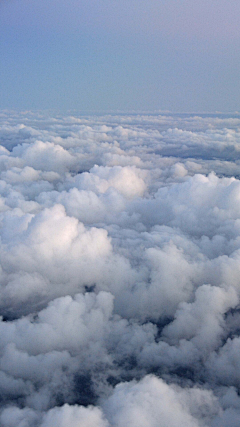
{"x": 119, "y": 213}
{"x": 176, "y": 55}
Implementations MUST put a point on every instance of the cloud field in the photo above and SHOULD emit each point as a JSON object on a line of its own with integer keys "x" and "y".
{"x": 120, "y": 270}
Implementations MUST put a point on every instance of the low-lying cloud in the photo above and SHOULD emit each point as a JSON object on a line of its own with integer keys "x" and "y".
{"x": 120, "y": 267}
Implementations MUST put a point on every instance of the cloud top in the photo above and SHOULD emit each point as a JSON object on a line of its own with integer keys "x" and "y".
{"x": 120, "y": 249}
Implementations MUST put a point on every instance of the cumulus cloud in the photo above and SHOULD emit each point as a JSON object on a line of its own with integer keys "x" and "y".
{"x": 119, "y": 267}
{"x": 151, "y": 402}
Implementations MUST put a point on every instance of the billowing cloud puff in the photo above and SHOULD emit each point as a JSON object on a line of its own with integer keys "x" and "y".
{"x": 120, "y": 270}
{"x": 152, "y": 402}
{"x": 74, "y": 416}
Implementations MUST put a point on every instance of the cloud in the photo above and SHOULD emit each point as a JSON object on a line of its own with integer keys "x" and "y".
{"x": 74, "y": 416}
{"x": 151, "y": 401}
{"x": 119, "y": 249}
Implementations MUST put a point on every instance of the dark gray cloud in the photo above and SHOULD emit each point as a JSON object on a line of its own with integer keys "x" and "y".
{"x": 120, "y": 250}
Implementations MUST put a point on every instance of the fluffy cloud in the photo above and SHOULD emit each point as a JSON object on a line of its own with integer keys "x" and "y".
{"x": 119, "y": 267}
{"x": 152, "y": 402}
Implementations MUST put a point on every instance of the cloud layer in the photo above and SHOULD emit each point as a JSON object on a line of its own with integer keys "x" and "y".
{"x": 120, "y": 266}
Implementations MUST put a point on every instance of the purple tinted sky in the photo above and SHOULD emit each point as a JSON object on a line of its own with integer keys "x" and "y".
{"x": 179, "y": 55}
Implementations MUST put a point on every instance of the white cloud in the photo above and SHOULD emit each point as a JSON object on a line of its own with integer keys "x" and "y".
{"x": 119, "y": 258}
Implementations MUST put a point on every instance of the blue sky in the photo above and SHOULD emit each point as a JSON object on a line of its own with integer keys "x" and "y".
{"x": 177, "y": 55}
